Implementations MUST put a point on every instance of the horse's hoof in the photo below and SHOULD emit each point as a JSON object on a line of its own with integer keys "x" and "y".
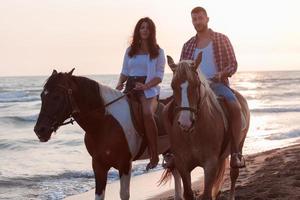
{"x": 152, "y": 164}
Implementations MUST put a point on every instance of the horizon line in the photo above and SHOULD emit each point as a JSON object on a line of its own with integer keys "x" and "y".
{"x": 112, "y": 74}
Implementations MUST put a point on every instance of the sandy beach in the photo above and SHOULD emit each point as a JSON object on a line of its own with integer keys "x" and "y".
{"x": 142, "y": 187}
{"x": 274, "y": 174}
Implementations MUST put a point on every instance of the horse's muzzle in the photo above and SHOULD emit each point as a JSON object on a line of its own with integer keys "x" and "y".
{"x": 187, "y": 129}
{"x": 42, "y": 133}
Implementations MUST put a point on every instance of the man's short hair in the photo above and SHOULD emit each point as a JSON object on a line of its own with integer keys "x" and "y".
{"x": 198, "y": 9}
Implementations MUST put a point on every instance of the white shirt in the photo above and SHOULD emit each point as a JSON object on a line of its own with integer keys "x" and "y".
{"x": 208, "y": 65}
{"x": 155, "y": 68}
{"x": 137, "y": 66}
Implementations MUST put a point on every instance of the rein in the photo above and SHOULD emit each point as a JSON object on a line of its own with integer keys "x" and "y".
{"x": 75, "y": 109}
{"x": 117, "y": 99}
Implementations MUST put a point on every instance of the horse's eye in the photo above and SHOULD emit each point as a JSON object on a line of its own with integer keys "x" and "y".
{"x": 44, "y": 93}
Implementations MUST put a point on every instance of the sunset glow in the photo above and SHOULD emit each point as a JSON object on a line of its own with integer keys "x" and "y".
{"x": 37, "y": 36}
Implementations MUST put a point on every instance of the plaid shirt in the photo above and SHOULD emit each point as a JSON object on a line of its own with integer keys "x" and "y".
{"x": 223, "y": 52}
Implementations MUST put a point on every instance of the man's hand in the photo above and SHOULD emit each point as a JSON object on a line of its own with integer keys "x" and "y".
{"x": 140, "y": 86}
{"x": 218, "y": 77}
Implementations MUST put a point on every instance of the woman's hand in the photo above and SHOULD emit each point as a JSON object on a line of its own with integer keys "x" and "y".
{"x": 120, "y": 86}
{"x": 141, "y": 86}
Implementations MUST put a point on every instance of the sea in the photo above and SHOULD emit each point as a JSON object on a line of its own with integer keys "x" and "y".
{"x": 61, "y": 167}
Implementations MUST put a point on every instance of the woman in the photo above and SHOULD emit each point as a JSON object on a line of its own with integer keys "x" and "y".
{"x": 143, "y": 70}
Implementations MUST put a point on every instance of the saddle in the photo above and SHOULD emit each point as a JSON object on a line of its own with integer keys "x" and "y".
{"x": 138, "y": 121}
{"x": 226, "y": 111}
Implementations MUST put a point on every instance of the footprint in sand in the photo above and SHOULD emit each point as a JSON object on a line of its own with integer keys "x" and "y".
{"x": 259, "y": 190}
{"x": 297, "y": 177}
{"x": 277, "y": 195}
{"x": 296, "y": 184}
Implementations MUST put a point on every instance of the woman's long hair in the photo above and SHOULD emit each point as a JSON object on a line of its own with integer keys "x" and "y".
{"x": 136, "y": 41}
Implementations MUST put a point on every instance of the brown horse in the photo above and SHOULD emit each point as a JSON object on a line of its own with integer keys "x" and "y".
{"x": 110, "y": 136}
{"x": 198, "y": 130}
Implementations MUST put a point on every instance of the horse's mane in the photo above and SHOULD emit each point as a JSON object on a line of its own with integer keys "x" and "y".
{"x": 213, "y": 100}
{"x": 89, "y": 89}
{"x": 51, "y": 80}
{"x": 184, "y": 71}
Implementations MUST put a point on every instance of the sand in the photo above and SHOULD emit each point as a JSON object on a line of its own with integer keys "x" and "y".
{"x": 142, "y": 187}
{"x": 273, "y": 174}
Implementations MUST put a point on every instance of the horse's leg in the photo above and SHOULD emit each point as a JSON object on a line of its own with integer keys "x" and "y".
{"x": 219, "y": 178}
{"x": 186, "y": 180}
{"x": 234, "y": 173}
{"x": 178, "y": 187}
{"x": 101, "y": 178}
{"x": 125, "y": 176}
{"x": 210, "y": 173}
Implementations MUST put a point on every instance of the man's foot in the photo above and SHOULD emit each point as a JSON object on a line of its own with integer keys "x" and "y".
{"x": 237, "y": 161}
{"x": 153, "y": 163}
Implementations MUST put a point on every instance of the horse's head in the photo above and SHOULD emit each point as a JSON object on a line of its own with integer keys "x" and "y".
{"x": 186, "y": 90}
{"x": 56, "y": 106}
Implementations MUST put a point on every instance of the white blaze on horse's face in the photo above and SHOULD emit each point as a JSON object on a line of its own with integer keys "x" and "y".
{"x": 185, "y": 116}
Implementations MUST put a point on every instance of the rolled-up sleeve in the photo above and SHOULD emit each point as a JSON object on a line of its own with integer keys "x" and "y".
{"x": 125, "y": 68}
{"x": 232, "y": 63}
{"x": 160, "y": 65}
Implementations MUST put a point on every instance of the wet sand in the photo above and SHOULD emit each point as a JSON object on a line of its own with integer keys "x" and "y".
{"x": 273, "y": 174}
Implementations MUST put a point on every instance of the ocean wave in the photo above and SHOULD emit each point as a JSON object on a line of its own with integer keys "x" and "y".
{"x": 281, "y": 136}
{"x": 271, "y": 97}
{"x": 274, "y": 110}
{"x": 48, "y": 186}
{"x": 18, "y": 119}
{"x": 18, "y": 96}
{"x": 16, "y": 144}
{"x": 36, "y": 178}
{"x": 6, "y": 144}
{"x": 25, "y": 99}
{"x": 57, "y": 186}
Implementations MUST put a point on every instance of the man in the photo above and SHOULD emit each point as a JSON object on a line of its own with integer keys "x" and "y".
{"x": 218, "y": 63}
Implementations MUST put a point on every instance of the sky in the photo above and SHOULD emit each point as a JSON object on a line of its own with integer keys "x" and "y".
{"x": 37, "y": 36}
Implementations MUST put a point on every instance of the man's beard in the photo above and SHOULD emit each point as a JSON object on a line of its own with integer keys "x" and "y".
{"x": 201, "y": 29}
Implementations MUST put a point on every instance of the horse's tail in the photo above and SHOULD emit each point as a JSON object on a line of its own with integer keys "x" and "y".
{"x": 219, "y": 178}
{"x": 165, "y": 177}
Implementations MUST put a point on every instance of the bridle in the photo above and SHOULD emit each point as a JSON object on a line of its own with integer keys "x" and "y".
{"x": 74, "y": 107}
{"x": 199, "y": 103}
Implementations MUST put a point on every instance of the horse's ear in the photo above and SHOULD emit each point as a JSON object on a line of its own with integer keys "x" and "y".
{"x": 54, "y": 72}
{"x": 71, "y": 72}
{"x": 171, "y": 63}
{"x": 198, "y": 60}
